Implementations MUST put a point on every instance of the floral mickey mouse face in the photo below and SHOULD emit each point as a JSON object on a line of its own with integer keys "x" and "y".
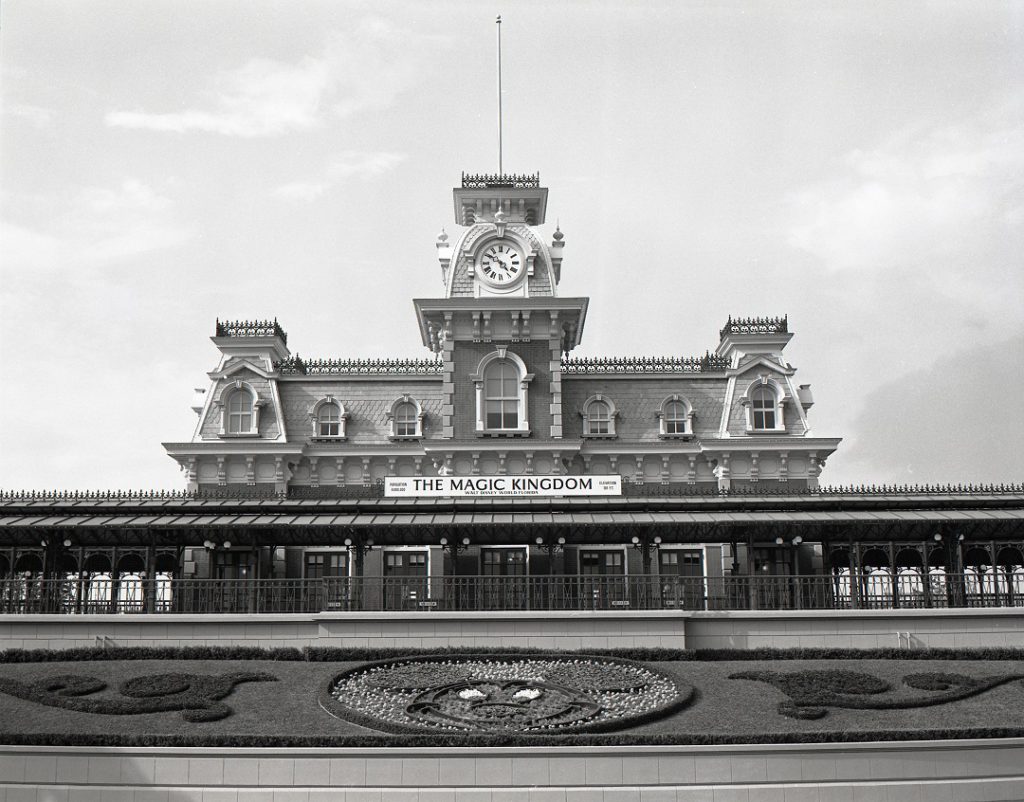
{"x": 484, "y": 705}
{"x": 513, "y": 693}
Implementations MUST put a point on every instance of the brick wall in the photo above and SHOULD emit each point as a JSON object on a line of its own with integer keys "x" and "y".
{"x": 467, "y": 358}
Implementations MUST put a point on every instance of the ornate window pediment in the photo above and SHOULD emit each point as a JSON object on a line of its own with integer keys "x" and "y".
{"x": 328, "y": 417}
{"x": 675, "y": 418}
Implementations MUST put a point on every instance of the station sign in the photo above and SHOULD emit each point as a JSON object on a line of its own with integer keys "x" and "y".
{"x": 502, "y": 486}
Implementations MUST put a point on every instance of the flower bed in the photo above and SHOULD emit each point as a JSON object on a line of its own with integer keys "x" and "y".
{"x": 505, "y": 694}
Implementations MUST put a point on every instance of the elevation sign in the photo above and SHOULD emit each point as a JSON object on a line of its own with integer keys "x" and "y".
{"x": 431, "y": 486}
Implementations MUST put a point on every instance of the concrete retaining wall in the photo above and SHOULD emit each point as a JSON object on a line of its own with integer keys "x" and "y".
{"x": 562, "y": 630}
{"x": 918, "y": 771}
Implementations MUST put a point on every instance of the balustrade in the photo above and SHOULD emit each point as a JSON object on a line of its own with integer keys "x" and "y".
{"x": 139, "y": 595}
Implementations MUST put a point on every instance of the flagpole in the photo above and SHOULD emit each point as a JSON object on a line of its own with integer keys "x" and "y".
{"x": 498, "y": 22}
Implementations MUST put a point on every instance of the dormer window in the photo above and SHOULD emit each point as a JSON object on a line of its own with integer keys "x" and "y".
{"x": 675, "y": 418}
{"x": 764, "y": 402}
{"x": 406, "y": 419}
{"x": 240, "y": 410}
{"x": 599, "y": 415}
{"x": 328, "y": 417}
{"x": 501, "y": 394}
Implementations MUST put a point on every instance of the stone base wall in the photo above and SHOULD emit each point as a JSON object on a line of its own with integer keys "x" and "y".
{"x": 919, "y": 771}
{"x": 545, "y": 630}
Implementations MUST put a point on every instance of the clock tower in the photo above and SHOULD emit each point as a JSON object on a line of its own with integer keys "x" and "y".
{"x": 500, "y": 327}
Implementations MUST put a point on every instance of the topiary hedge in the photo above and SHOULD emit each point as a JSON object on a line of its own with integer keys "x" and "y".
{"x": 476, "y": 741}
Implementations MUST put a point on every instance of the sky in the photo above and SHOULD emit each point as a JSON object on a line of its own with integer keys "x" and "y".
{"x": 858, "y": 166}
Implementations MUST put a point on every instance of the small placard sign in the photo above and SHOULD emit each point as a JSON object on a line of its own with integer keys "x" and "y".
{"x": 481, "y": 486}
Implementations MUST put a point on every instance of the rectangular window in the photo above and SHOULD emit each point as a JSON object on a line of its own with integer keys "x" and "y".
{"x": 326, "y": 564}
{"x": 503, "y": 562}
{"x": 405, "y": 563}
{"x": 679, "y": 562}
{"x": 602, "y": 563}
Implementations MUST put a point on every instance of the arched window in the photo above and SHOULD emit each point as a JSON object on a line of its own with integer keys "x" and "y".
{"x": 676, "y": 417}
{"x": 599, "y": 415}
{"x": 501, "y": 395}
{"x": 328, "y": 416}
{"x": 764, "y": 402}
{"x": 239, "y": 412}
{"x": 406, "y": 418}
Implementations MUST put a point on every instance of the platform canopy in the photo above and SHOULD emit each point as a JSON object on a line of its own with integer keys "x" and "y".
{"x": 675, "y": 519}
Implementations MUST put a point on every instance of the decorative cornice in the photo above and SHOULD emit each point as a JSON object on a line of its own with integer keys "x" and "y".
{"x": 296, "y": 366}
{"x": 645, "y": 364}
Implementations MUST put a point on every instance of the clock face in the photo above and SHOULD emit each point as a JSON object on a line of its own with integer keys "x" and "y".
{"x": 500, "y": 264}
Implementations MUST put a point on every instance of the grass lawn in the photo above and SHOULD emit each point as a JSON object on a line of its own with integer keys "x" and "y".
{"x": 289, "y": 709}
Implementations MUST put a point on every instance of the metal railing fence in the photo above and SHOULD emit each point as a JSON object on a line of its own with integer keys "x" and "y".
{"x": 562, "y": 592}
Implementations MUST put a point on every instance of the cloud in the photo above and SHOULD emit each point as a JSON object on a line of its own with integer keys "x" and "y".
{"x": 345, "y": 165}
{"x": 362, "y": 69}
{"x": 953, "y": 419}
{"x": 925, "y": 197}
{"x": 96, "y": 226}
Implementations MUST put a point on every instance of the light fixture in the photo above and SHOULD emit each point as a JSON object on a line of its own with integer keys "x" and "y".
{"x": 209, "y": 544}
{"x": 561, "y": 541}
{"x": 540, "y": 541}
{"x": 44, "y": 543}
{"x": 797, "y": 540}
{"x": 465, "y": 541}
{"x": 635, "y": 540}
{"x": 227, "y": 544}
{"x": 937, "y": 537}
{"x": 348, "y": 542}
{"x": 778, "y": 541}
{"x": 960, "y": 538}
{"x": 369, "y": 542}
{"x": 67, "y": 543}
{"x": 444, "y": 541}
{"x": 657, "y": 540}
